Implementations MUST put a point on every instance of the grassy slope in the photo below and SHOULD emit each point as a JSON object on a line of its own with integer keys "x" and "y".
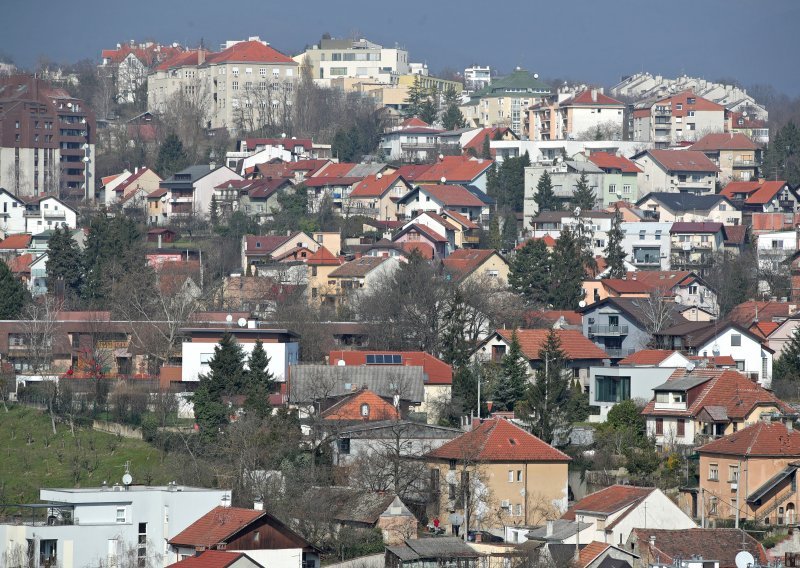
{"x": 31, "y": 457}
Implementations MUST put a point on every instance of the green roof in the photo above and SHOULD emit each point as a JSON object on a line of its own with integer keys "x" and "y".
{"x": 519, "y": 81}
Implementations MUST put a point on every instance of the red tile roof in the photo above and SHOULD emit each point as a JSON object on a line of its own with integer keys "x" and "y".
{"x": 585, "y": 98}
{"x": 350, "y": 408}
{"x": 209, "y": 559}
{"x": 452, "y": 195}
{"x": 15, "y": 242}
{"x": 683, "y": 160}
{"x": 155, "y": 194}
{"x": 285, "y": 143}
{"x": 721, "y": 545}
{"x": 761, "y": 439}
{"x": 734, "y": 188}
{"x": 374, "y": 186}
{"x": 647, "y": 357}
{"x": 461, "y": 219}
{"x": 498, "y": 440}
{"x": 607, "y": 161}
{"x": 765, "y": 193}
{"x": 413, "y": 121}
{"x": 683, "y": 98}
{"x": 625, "y": 286}
{"x": 255, "y": 245}
{"x": 590, "y": 552}
{"x": 326, "y": 181}
{"x": 573, "y": 343}
{"x": 323, "y": 257}
{"x": 746, "y": 313}
{"x": 719, "y": 361}
{"x": 662, "y": 279}
{"x": 696, "y": 227}
{"x": 182, "y": 59}
{"x": 334, "y": 170}
{"x": 359, "y": 267}
{"x": 108, "y": 179}
{"x": 723, "y": 141}
{"x": 132, "y": 178}
{"x": 250, "y": 52}
{"x": 412, "y": 171}
{"x": 463, "y": 262}
{"x": 21, "y": 264}
{"x": 609, "y": 500}
{"x": 492, "y": 132}
{"x": 424, "y": 230}
{"x": 736, "y": 234}
{"x": 438, "y": 372}
{"x": 215, "y": 527}
{"x": 764, "y": 328}
{"x": 458, "y": 169}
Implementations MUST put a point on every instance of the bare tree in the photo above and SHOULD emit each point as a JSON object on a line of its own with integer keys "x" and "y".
{"x": 39, "y": 330}
{"x": 657, "y": 312}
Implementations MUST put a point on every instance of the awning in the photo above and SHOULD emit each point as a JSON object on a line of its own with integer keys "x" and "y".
{"x": 761, "y": 492}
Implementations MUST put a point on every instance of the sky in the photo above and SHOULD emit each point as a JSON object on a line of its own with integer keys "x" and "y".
{"x": 591, "y": 41}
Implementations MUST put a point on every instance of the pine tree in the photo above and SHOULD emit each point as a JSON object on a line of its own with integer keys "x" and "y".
{"x": 227, "y": 366}
{"x": 214, "y": 212}
{"x": 513, "y": 379}
{"x": 454, "y": 346}
{"x": 260, "y": 382}
{"x": 584, "y": 196}
{"x": 64, "y": 263}
{"x": 548, "y": 395}
{"x": 486, "y": 150}
{"x": 567, "y": 273}
{"x": 452, "y": 118}
{"x": 614, "y": 253}
{"x": 427, "y": 110}
{"x": 113, "y": 249}
{"x": 414, "y": 98}
{"x": 787, "y": 366}
{"x": 509, "y": 236}
{"x": 171, "y": 156}
{"x": 210, "y": 412}
{"x": 492, "y": 184}
{"x": 577, "y": 408}
{"x": 495, "y": 239}
{"x": 530, "y": 272}
{"x": 12, "y": 293}
{"x": 545, "y": 197}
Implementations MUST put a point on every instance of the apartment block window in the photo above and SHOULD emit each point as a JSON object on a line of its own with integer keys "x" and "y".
{"x": 678, "y": 106}
{"x": 510, "y": 475}
{"x": 712, "y": 506}
{"x": 290, "y": 72}
{"x": 736, "y": 340}
{"x": 690, "y": 100}
{"x": 276, "y": 72}
{"x": 658, "y": 235}
{"x": 120, "y": 514}
{"x": 691, "y": 113}
{"x": 612, "y": 188}
{"x": 248, "y": 70}
{"x": 235, "y": 71}
{"x": 642, "y": 235}
{"x": 681, "y": 430}
{"x": 626, "y": 188}
{"x": 16, "y": 124}
{"x": 235, "y": 86}
{"x": 733, "y": 473}
{"x": 713, "y": 472}
{"x": 518, "y": 509}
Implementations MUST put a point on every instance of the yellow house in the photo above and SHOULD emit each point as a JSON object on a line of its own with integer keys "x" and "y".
{"x": 753, "y": 470}
{"x": 156, "y": 213}
{"x": 319, "y": 266}
{"x": 376, "y": 196}
{"x": 496, "y": 475}
{"x": 473, "y": 265}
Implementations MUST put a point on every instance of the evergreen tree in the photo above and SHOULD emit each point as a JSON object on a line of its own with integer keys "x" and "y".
{"x": 495, "y": 239}
{"x": 260, "y": 382}
{"x": 492, "y": 185}
{"x": 530, "y": 272}
{"x": 787, "y": 366}
{"x": 486, "y": 150}
{"x": 210, "y": 412}
{"x": 171, "y": 156}
{"x": 567, "y": 273}
{"x": 227, "y": 366}
{"x": 584, "y": 196}
{"x": 509, "y": 236}
{"x": 414, "y": 98}
{"x": 64, "y": 263}
{"x": 452, "y": 118}
{"x": 545, "y": 197}
{"x": 577, "y": 408}
{"x": 583, "y": 232}
{"x": 214, "y": 212}
{"x": 465, "y": 390}
{"x": 454, "y": 346}
{"x": 513, "y": 379}
{"x": 548, "y": 395}
{"x": 614, "y": 253}
{"x": 12, "y": 293}
{"x": 427, "y": 110}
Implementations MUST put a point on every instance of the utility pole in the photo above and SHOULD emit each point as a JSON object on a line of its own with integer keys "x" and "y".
{"x": 702, "y": 510}
{"x": 738, "y": 476}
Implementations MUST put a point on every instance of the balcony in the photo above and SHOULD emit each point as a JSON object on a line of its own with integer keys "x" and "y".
{"x": 608, "y": 330}
{"x": 651, "y": 261}
{"x": 411, "y": 146}
{"x": 745, "y": 164}
{"x": 471, "y": 239}
{"x": 619, "y": 353}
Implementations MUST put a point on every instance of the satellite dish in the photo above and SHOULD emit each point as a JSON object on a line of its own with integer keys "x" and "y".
{"x": 689, "y": 367}
{"x": 678, "y": 299}
{"x": 536, "y": 76}
{"x": 127, "y": 479}
{"x": 229, "y": 318}
{"x": 745, "y": 560}
{"x": 582, "y": 303}
{"x": 340, "y": 363}
{"x": 379, "y": 176}
{"x": 443, "y": 180}
{"x": 242, "y": 322}
{"x": 715, "y": 350}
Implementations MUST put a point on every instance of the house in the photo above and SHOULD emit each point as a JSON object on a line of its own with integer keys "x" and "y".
{"x": 696, "y": 404}
{"x": 255, "y": 532}
{"x": 612, "y": 513}
{"x": 774, "y": 249}
{"x": 675, "y": 171}
{"x": 646, "y": 244}
{"x": 472, "y": 140}
{"x": 600, "y": 554}
{"x": 411, "y": 143}
{"x": 15, "y": 245}
{"x": 361, "y": 406}
{"x": 633, "y": 378}
{"x": 581, "y": 352}
{"x": 481, "y": 266}
{"x": 509, "y": 475}
{"x": 256, "y": 198}
{"x": 259, "y": 252}
{"x": 694, "y": 244}
{"x": 782, "y": 334}
{"x": 425, "y": 233}
{"x": 355, "y": 277}
{"x": 46, "y": 212}
{"x": 217, "y": 559}
{"x": 12, "y": 213}
{"x": 356, "y": 508}
{"x": 680, "y": 117}
{"x": 669, "y": 207}
{"x": 456, "y": 170}
{"x": 620, "y": 182}
{"x": 198, "y": 347}
{"x": 94, "y": 525}
{"x": 188, "y": 192}
{"x": 376, "y": 196}
{"x": 129, "y": 63}
{"x": 621, "y": 326}
{"x": 575, "y": 117}
{"x": 718, "y": 547}
{"x": 319, "y": 265}
{"x": 443, "y": 197}
{"x": 438, "y": 375}
{"x": 686, "y": 285}
{"x": 133, "y": 188}
{"x": 564, "y": 178}
{"x": 760, "y": 196}
{"x": 596, "y": 224}
{"x": 432, "y": 552}
{"x": 736, "y": 155}
{"x": 725, "y": 338}
{"x": 769, "y": 452}
{"x": 457, "y": 229}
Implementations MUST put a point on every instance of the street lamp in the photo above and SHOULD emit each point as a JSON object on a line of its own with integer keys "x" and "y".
{"x": 86, "y": 161}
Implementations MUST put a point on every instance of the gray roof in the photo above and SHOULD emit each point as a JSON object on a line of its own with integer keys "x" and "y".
{"x": 434, "y": 547}
{"x": 315, "y": 382}
{"x": 194, "y": 173}
{"x": 562, "y": 529}
{"x": 390, "y": 428}
{"x": 680, "y": 202}
{"x": 584, "y": 166}
{"x": 717, "y": 413}
{"x": 350, "y": 505}
{"x": 683, "y": 384}
{"x": 364, "y": 170}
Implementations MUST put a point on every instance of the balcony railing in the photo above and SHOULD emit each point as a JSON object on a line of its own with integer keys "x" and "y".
{"x": 608, "y": 330}
{"x": 619, "y": 353}
{"x": 745, "y": 163}
{"x": 417, "y": 145}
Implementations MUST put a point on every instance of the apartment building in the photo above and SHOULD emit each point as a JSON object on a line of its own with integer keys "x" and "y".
{"x": 576, "y": 116}
{"x": 47, "y": 140}
{"x": 694, "y": 244}
{"x": 737, "y": 156}
{"x": 129, "y": 64}
{"x": 243, "y": 85}
{"x": 675, "y": 171}
{"x": 477, "y": 77}
{"x": 332, "y": 58}
{"x": 682, "y": 117}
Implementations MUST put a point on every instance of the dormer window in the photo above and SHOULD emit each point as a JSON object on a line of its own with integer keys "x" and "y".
{"x": 365, "y": 410}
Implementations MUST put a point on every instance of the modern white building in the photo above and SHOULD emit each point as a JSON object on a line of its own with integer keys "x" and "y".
{"x": 101, "y": 526}
{"x": 476, "y": 77}
{"x": 647, "y": 244}
{"x": 354, "y": 58}
{"x": 12, "y": 214}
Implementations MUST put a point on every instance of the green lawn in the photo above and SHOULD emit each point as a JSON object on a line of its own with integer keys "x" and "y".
{"x": 32, "y": 457}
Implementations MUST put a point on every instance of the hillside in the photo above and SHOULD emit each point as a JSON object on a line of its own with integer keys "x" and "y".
{"x": 32, "y": 457}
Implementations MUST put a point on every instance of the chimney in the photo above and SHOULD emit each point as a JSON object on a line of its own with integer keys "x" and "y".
{"x": 201, "y": 56}
{"x": 549, "y": 529}
{"x": 594, "y": 95}
{"x": 652, "y": 541}
{"x": 258, "y": 505}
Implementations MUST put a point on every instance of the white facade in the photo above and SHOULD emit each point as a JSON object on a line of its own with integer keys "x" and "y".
{"x": 476, "y": 77}
{"x": 52, "y": 213}
{"x": 774, "y": 248}
{"x": 12, "y": 214}
{"x": 640, "y": 383}
{"x": 655, "y": 177}
{"x": 360, "y": 59}
{"x": 647, "y": 244}
{"x": 98, "y": 526}
{"x": 28, "y": 172}
{"x": 196, "y": 355}
{"x": 751, "y": 357}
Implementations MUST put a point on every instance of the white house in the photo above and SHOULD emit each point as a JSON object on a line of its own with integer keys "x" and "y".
{"x": 752, "y": 357}
{"x": 647, "y": 244}
{"x": 12, "y": 214}
{"x": 774, "y": 248}
{"x": 101, "y": 525}
{"x": 44, "y": 213}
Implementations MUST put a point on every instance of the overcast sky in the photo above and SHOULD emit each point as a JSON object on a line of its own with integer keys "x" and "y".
{"x": 595, "y": 41}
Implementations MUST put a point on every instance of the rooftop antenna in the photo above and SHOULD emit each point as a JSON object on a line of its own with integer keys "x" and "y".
{"x": 127, "y": 478}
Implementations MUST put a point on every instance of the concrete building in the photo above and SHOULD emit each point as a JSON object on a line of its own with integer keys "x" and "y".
{"x": 74, "y": 528}
{"x": 675, "y": 171}
{"x": 737, "y": 156}
{"x": 682, "y": 117}
{"x": 128, "y": 65}
{"x": 47, "y": 140}
{"x": 671, "y": 207}
{"x": 187, "y": 192}
{"x": 576, "y": 116}
{"x": 477, "y": 77}
{"x": 360, "y": 58}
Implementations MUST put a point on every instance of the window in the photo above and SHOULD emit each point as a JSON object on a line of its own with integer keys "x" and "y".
{"x": 712, "y": 506}
{"x": 497, "y": 352}
{"x": 518, "y": 509}
{"x": 276, "y": 72}
{"x": 235, "y": 71}
{"x": 693, "y": 289}
{"x": 120, "y": 514}
{"x": 612, "y": 188}
{"x": 344, "y": 446}
{"x": 659, "y": 426}
{"x": 626, "y": 188}
{"x": 642, "y": 235}
{"x": 451, "y": 491}
{"x": 733, "y": 473}
{"x": 365, "y": 410}
{"x": 234, "y": 85}
{"x": 681, "y": 430}
{"x": 690, "y": 100}
{"x": 205, "y": 358}
{"x": 740, "y": 366}
{"x": 612, "y": 389}
{"x": 510, "y": 475}
{"x": 519, "y": 476}
{"x": 713, "y": 472}
{"x": 658, "y": 235}
{"x": 678, "y": 106}
{"x": 736, "y": 340}
{"x": 690, "y": 113}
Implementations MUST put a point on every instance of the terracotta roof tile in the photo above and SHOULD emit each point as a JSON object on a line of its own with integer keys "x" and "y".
{"x": 590, "y": 552}
{"x": 625, "y": 286}
{"x": 457, "y": 169}
{"x": 765, "y": 193}
{"x": 452, "y": 195}
{"x": 463, "y": 262}
{"x": 215, "y": 527}
{"x": 683, "y": 98}
{"x": 498, "y": 440}
{"x": 607, "y": 161}
{"x": 662, "y": 279}
{"x": 323, "y": 257}
{"x": 413, "y": 121}
{"x": 609, "y": 500}
{"x": 461, "y": 219}
{"x": 739, "y": 188}
{"x": 721, "y": 545}
{"x": 359, "y": 267}
{"x": 647, "y": 357}
{"x": 437, "y": 371}
{"x": 737, "y": 234}
{"x": 746, "y": 313}
{"x": 412, "y": 171}
{"x": 760, "y": 439}
{"x": 683, "y": 160}
{"x": 350, "y": 408}
{"x": 209, "y": 559}
{"x": 573, "y": 343}
{"x": 255, "y": 245}
{"x": 696, "y": 227}
{"x": 585, "y": 98}
{"x": 15, "y": 242}
{"x": 181, "y": 59}
{"x": 374, "y": 185}
{"x": 250, "y": 52}
{"x": 21, "y": 264}
{"x": 764, "y": 328}
{"x": 723, "y": 141}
